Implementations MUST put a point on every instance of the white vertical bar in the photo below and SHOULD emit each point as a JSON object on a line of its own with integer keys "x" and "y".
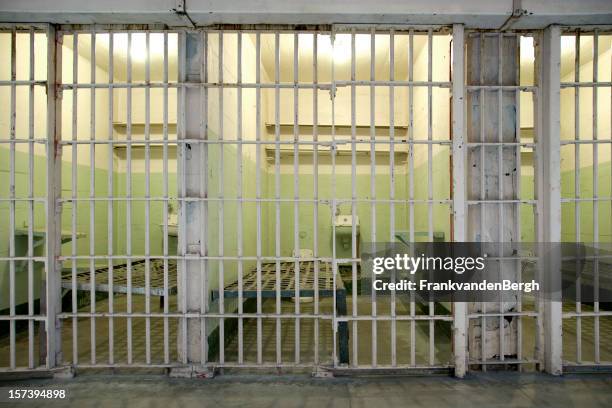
{"x": 92, "y": 195}
{"x": 355, "y": 348}
{"x": 483, "y": 322}
{"x": 204, "y": 266}
{"x": 258, "y": 166}
{"x": 392, "y": 187}
{"x": 296, "y": 192}
{"x": 577, "y": 192}
{"x": 334, "y": 207}
{"x": 128, "y": 204}
{"x": 277, "y": 190}
{"x": 373, "y": 177}
{"x": 166, "y": 198}
{"x": 411, "y": 184}
{"x": 595, "y": 199}
{"x": 182, "y": 194}
{"x": 52, "y": 299}
{"x": 147, "y": 243}
{"x": 517, "y": 207}
{"x": 13, "y": 108}
{"x": 430, "y": 182}
{"x": 240, "y": 200}
{"x": 111, "y": 320}
{"x": 220, "y": 211}
{"x": 315, "y": 175}
{"x": 459, "y": 172}
{"x": 500, "y": 184}
{"x": 296, "y": 195}
{"x": 74, "y": 188}
{"x": 549, "y": 186}
{"x": 31, "y": 206}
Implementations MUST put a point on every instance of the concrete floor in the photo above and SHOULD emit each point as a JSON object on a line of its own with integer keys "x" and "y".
{"x": 442, "y": 344}
{"x": 482, "y": 390}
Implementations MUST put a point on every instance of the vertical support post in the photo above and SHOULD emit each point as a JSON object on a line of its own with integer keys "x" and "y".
{"x": 50, "y": 301}
{"x": 549, "y": 185}
{"x": 459, "y": 191}
{"x": 191, "y": 169}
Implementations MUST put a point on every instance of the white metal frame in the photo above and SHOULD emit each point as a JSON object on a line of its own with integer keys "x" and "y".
{"x": 43, "y": 355}
{"x": 488, "y": 203}
{"x": 597, "y": 142}
{"x": 193, "y": 145}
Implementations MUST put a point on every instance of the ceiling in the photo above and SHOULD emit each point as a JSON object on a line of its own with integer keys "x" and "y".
{"x": 486, "y": 14}
{"x": 340, "y": 54}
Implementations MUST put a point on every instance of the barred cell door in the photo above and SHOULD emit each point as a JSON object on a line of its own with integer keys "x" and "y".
{"x": 298, "y": 149}
{"x": 197, "y": 200}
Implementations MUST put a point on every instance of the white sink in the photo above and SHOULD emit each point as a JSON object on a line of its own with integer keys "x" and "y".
{"x": 346, "y": 221}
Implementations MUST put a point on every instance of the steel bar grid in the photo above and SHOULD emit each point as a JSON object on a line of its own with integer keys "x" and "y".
{"x": 125, "y": 269}
{"x": 494, "y": 145}
{"x": 24, "y": 267}
{"x": 117, "y": 279}
{"x": 587, "y": 341}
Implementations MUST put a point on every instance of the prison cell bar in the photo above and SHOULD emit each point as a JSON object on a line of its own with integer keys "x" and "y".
{"x": 75, "y": 79}
{"x": 548, "y": 178}
{"x": 411, "y": 183}
{"x": 315, "y": 175}
{"x": 277, "y": 189}
{"x": 459, "y": 174}
{"x": 221, "y": 282}
{"x": 296, "y": 195}
{"x": 483, "y": 305}
{"x": 578, "y": 84}
{"x": 517, "y": 207}
{"x": 12, "y": 209}
{"x": 239, "y": 196}
{"x": 204, "y": 210}
{"x": 577, "y": 192}
{"x": 181, "y": 184}
{"x": 31, "y": 205}
{"x": 392, "y": 188}
{"x": 258, "y": 193}
{"x": 373, "y": 184}
{"x": 166, "y": 197}
{"x": 596, "y": 353}
{"x": 355, "y": 359}
{"x": 147, "y": 131}
{"x": 49, "y": 302}
{"x": 92, "y": 203}
{"x": 128, "y": 212}
{"x": 111, "y": 320}
{"x": 334, "y": 208}
{"x": 500, "y": 185}
{"x": 131, "y": 256}
{"x": 430, "y": 181}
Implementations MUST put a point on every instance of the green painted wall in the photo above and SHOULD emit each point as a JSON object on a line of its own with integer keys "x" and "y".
{"x": 586, "y": 207}
{"x": 343, "y": 188}
{"x": 441, "y": 213}
{"x": 22, "y": 175}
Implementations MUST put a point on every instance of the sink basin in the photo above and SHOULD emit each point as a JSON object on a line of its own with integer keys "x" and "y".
{"x": 346, "y": 221}
{"x": 343, "y": 226}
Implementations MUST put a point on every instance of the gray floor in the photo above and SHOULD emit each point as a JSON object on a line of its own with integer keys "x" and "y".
{"x": 442, "y": 343}
{"x": 482, "y": 390}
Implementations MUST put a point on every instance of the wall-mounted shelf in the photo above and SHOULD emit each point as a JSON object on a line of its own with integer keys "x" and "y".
{"x": 141, "y": 146}
{"x": 308, "y": 151}
{"x": 328, "y": 125}
{"x": 141, "y": 125}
